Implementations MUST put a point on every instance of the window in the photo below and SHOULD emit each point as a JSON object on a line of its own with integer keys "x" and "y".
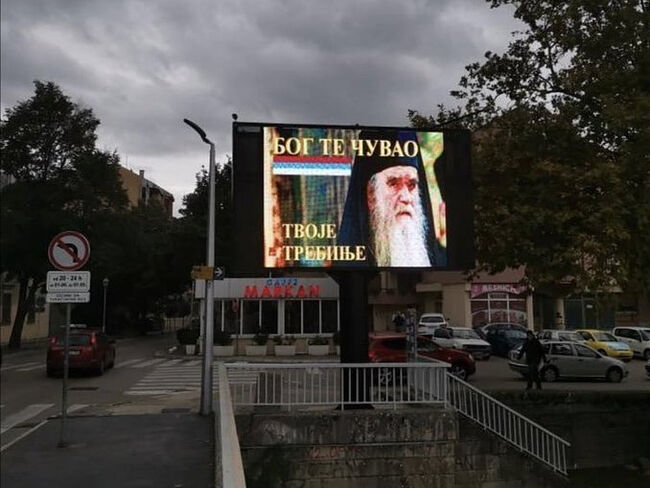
{"x": 292, "y": 317}
{"x": 561, "y": 350}
{"x": 230, "y": 315}
{"x": 586, "y": 336}
{"x": 329, "y": 315}
{"x": 251, "y": 316}
{"x": 218, "y": 315}
{"x": 311, "y": 316}
{"x": 6, "y": 308}
{"x": 493, "y": 307}
{"x": 585, "y": 352}
{"x": 269, "y": 316}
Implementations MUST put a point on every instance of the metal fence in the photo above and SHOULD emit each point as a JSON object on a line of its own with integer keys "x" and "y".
{"x": 521, "y": 432}
{"x": 296, "y": 385}
{"x": 326, "y": 384}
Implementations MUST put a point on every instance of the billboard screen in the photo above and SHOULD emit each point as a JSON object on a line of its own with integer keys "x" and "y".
{"x": 353, "y": 197}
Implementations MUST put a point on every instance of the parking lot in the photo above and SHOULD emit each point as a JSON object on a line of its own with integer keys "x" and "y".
{"x": 495, "y": 374}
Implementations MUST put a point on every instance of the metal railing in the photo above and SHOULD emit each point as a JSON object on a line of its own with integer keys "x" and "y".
{"x": 520, "y": 431}
{"x": 339, "y": 384}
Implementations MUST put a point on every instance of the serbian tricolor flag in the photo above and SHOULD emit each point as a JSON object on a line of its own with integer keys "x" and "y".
{"x": 312, "y": 165}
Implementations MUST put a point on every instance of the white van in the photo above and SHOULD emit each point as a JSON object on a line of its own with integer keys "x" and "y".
{"x": 638, "y": 338}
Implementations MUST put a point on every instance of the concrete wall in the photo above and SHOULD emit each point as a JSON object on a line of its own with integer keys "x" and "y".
{"x": 379, "y": 448}
{"x": 456, "y": 305}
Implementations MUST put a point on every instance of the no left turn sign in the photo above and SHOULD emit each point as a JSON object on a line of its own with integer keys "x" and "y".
{"x": 68, "y": 251}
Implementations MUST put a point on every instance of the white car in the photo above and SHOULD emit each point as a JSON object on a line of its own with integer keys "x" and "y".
{"x": 463, "y": 338}
{"x": 638, "y": 338}
{"x": 429, "y": 322}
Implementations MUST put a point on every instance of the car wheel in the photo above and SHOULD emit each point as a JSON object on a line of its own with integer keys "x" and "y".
{"x": 459, "y": 371}
{"x": 550, "y": 374}
{"x": 646, "y": 354}
{"x": 614, "y": 375}
{"x": 102, "y": 367}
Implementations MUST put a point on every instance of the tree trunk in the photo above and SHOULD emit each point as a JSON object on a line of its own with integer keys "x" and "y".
{"x": 25, "y": 297}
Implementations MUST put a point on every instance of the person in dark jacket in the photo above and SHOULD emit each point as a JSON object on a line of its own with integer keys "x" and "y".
{"x": 534, "y": 352}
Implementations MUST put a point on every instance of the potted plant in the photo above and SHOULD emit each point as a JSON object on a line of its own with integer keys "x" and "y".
{"x": 223, "y": 345}
{"x": 188, "y": 337}
{"x": 336, "y": 338}
{"x": 318, "y": 346}
{"x": 285, "y": 345}
{"x": 258, "y": 348}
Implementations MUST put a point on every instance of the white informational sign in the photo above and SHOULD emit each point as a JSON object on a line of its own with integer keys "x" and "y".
{"x": 70, "y": 297}
{"x": 68, "y": 281}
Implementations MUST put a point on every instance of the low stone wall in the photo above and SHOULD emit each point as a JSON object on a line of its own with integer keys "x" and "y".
{"x": 379, "y": 448}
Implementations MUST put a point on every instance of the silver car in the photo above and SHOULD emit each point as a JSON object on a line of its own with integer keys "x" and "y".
{"x": 560, "y": 335}
{"x": 568, "y": 359}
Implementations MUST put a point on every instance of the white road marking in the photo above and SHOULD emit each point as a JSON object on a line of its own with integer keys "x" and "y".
{"x": 31, "y": 368}
{"x": 22, "y": 415}
{"x": 126, "y": 363}
{"x": 76, "y": 406}
{"x": 23, "y": 435}
{"x": 16, "y": 366}
{"x": 149, "y": 363}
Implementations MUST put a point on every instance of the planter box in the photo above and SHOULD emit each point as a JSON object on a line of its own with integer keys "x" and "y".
{"x": 190, "y": 350}
{"x": 288, "y": 350}
{"x": 223, "y": 350}
{"x": 321, "y": 350}
{"x": 255, "y": 350}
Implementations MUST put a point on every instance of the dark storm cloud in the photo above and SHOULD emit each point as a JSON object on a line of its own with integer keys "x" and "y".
{"x": 144, "y": 65}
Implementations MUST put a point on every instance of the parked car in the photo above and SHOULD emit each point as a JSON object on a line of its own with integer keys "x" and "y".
{"x": 88, "y": 349}
{"x": 638, "y": 338}
{"x": 503, "y": 338}
{"x": 462, "y": 338}
{"x": 606, "y": 344}
{"x": 568, "y": 359}
{"x": 391, "y": 348}
{"x": 430, "y": 321}
{"x": 560, "y": 335}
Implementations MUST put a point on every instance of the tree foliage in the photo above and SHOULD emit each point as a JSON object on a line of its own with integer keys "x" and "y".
{"x": 562, "y": 143}
{"x": 60, "y": 182}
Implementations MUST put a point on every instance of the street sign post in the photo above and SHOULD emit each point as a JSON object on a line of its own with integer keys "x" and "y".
{"x": 68, "y": 252}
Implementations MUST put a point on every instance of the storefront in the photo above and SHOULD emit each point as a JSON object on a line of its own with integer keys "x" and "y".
{"x": 276, "y": 306}
{"x": 498, "y": 302}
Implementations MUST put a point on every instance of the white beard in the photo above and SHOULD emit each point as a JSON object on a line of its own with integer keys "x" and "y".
{"x": 398, "y": 243}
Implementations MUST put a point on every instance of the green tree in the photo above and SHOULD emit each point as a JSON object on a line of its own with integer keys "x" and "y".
{"x": 562, "y": 143}
{"x": 61, "y": 182}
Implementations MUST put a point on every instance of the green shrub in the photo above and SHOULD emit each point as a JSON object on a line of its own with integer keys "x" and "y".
{"x": 222, "y": 338}
{"x": 288, "y": 340}
{"x": 260, "y": 339}
{"x": 187, "y": 336}
{"x": 318, "y": 341}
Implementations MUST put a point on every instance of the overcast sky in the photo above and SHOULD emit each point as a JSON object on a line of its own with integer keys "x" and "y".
{"x": 143, "y": 66}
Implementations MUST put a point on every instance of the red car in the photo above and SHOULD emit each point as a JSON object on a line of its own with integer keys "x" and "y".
{"x": 89, "y": 349}
{"x": 391, "y": 348}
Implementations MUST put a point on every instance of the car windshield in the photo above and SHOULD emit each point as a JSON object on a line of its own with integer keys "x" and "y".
{"x": 570, "y": 336}
{"x": 465, "y": 334}
{"x": 605, "y": 336}
{"x": 515, "y": 334}
{"x": 75, "y": 339}
{"x": 431, "y": 319}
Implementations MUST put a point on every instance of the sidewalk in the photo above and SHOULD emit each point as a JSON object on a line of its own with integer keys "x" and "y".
{"x": 172, "y": 450}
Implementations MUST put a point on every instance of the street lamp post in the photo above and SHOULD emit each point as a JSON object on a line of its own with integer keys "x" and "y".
{"x": 206, "y": 376}
{"x": 105, "y": 283}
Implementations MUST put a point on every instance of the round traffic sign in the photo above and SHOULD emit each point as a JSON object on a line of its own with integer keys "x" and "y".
{"x": 69, "y": 251}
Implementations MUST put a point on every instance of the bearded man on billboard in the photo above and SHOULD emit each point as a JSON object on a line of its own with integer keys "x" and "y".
{"x": 388, "y": 209}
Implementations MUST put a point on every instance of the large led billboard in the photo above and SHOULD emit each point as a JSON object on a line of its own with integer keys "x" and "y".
{"x": 339, "y": 197}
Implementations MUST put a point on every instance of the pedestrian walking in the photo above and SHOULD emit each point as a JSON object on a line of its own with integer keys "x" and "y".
{"x": 534, "y": 352}
{"x": 398, "y": 321}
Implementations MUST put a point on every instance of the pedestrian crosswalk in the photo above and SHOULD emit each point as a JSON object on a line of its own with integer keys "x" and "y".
{"x": 31, "y": 411}
{"x": 139, "y": 363}
{"x": 175, "y": 377}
